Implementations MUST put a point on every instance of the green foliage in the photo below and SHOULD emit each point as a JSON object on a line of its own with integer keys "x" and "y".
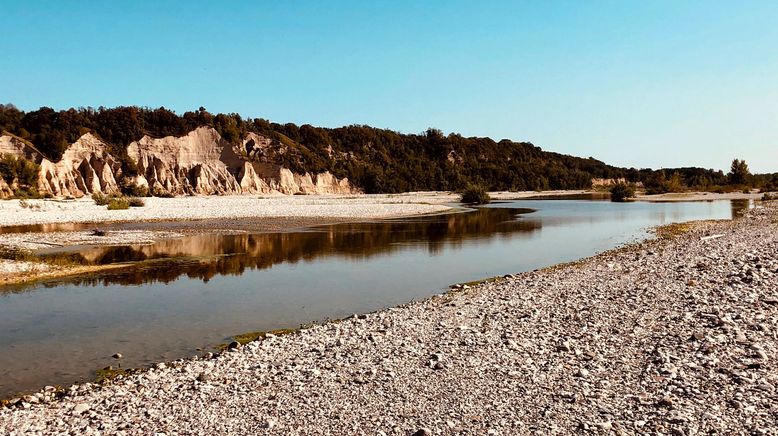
{"x": 118, "y": 203}
{"x": 376, "y": 160}
{"x": 475, "y": 195}
{"x": 21, "y": 170}
{"x": 135, "y": 202}
{"x": 739, "y": 173}
{"x": 622, "y": 191}
{"x": 100, "y": 199}
{"x": 659, "y": 183}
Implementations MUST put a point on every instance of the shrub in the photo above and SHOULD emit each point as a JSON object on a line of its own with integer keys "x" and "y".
{"x": 118, "y": 204}
{"x": 100, "y": 198}
{"x": 621, "y": 192}
{"x": 136, "y": 202}
{"x": 475, "y": 195}
{"x": 135, "y": 190}
{"x": 769, "y": 197}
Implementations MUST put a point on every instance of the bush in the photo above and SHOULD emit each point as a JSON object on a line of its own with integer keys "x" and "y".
{"x": 118, "y": 204}
{"x": 135, "y": 190}
{"x": 136, "y": 202}
{"x": 621, "y": 192}
{"x": 100, "y": 198}
{"x": 475, "y": 195}
{"x": 769, "y": 197}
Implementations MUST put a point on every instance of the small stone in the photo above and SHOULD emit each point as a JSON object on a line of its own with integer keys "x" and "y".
{"x": 203, "y": 377}
{"x": 423, "y": 432}
{"x": 117, "y": 356}
{"x": 233, "y": 345}
{"x": 583, "y": 372}
{"x": 81, "y": 408}
{"x": 270, "y": 423}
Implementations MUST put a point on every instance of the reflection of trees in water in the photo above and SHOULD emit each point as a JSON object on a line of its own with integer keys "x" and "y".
{"x": 205, "y": 256}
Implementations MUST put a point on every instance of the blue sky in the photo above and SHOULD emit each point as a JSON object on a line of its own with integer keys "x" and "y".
{"x": 633, "y": 83}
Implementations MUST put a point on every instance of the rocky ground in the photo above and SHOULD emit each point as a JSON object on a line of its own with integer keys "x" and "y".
{"x": 671, "y": 336}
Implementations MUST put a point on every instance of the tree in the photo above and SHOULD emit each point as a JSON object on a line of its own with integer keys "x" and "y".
{"x": 620, "y": 192}
{"x": 739, "y": 174}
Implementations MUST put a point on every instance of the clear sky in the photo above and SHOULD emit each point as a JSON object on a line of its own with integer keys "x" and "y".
{"x": 633, "y": 83}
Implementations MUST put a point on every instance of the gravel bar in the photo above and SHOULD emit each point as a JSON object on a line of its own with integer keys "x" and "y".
{"x": 671, "y": 336}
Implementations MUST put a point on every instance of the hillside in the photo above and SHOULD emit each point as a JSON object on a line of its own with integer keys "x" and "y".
{"x": 372, "y": 160}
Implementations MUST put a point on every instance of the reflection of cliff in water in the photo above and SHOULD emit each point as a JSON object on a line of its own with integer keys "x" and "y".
{"x": 204, "y": 256}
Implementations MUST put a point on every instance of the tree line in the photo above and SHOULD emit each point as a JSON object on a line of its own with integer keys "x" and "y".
{"x": 376, "y": 160}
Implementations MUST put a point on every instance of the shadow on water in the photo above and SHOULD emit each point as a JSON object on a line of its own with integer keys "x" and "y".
{"x": 205, "y": 256}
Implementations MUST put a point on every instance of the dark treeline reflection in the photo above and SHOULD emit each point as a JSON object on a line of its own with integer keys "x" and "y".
{"x": 205, "y": 256}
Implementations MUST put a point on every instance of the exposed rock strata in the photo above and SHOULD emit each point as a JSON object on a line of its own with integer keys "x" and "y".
{"x": 86, "y": 167}
{"x": 204, "y": 163}
{"x": 199, "y": 163}
{"x": 15, "y": 146}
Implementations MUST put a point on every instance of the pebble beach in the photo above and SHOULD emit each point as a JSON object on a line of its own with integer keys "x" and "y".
{"x": 675, "y": 335}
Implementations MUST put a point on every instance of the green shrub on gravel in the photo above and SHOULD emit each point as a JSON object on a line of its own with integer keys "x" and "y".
{"x": 118, "y": 204}
{"x": 100, "y": 198}
{"x": 136, "y": 202}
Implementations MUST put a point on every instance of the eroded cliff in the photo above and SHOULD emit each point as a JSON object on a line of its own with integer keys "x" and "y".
{"x": 199, "y": 163}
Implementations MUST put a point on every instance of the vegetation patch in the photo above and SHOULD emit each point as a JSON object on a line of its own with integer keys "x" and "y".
{"x": 475, "y": 194}
{"x": 621, "y": 192}
{"x": 671, "y": 231}
{"x": 118, "y": 204}
{"x": 109, "y": 373}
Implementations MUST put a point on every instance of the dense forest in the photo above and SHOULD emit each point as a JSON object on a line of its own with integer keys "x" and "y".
{"x": 377, "y": 160}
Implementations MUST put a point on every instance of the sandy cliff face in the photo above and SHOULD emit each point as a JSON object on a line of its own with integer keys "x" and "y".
{"x": 199, "y": 163}
{"x": 85, "y": 168}
{"x": 204, "y": 163}
{"x": 190, "y": 164}
{"x": 16, "y": 147}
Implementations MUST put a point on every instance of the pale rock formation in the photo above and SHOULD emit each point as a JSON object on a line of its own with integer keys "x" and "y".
{"x": 200, "y": 162}
{"x": 191, "y": 164}
{"x": 15, "y": 146}
{"x": 204, "y": 163}
{"x": 85, "y": 168}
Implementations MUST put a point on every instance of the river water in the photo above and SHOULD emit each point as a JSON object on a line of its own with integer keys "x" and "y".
{"x": 184, "y": 295}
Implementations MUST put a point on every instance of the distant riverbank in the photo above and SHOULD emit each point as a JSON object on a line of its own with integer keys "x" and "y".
{"x": 669, "y": 335}
{"x": 46, "y": 224}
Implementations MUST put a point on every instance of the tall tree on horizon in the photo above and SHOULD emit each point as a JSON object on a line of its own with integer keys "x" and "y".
{"x": 739, "y": 173}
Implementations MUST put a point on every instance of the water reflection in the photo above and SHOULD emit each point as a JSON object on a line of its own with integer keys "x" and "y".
{"x": 197, "y": 291}
{"x": 205, "y": 256}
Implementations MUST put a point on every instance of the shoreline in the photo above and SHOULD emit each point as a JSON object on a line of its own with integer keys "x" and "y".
{"x": 610, "y": 342}
{"x": 50, "y": 227}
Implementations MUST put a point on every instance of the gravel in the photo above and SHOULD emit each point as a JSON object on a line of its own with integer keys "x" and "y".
{"x": 14, "y": 212}
{"x": 670, "y": 336}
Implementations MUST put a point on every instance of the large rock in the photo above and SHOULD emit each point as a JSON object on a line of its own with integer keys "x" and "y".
{"x": 17, "y": 147}
{"x": 86, "y": 167}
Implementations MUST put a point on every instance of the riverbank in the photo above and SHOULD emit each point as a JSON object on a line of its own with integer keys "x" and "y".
{"x": 670, "y": 335}
{"x": 50, "y": 211}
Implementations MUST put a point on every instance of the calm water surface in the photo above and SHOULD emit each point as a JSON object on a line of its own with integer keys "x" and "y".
{"x": 197, "y": 291}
